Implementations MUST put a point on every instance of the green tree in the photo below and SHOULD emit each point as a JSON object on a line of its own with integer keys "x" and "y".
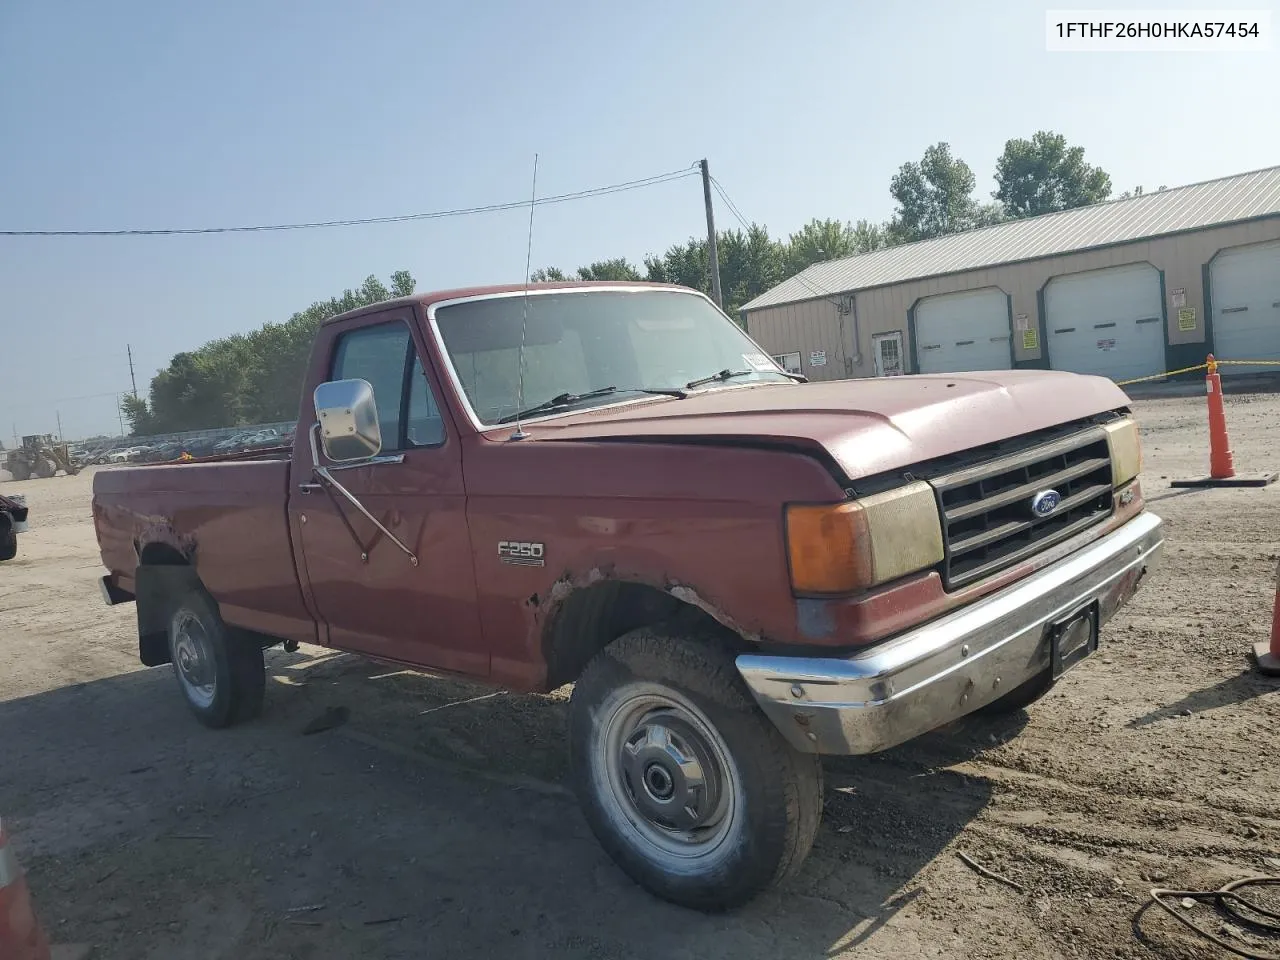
{"x": 548, "y": 275}
{"x": 1044, "y": 174}
{"x": 868, "y": 236}
{"x": 619, "y": 268}
{"x": 934, "y": 197}
{"x": 682, "y": 263}
{"x": 136, "y": 411}
{"x": 248, "y": 378}
{"x": 751, "y": 262}
{"x": 820, "y": 240}
{"x": 988, "y": 214}
{"x": 402, "y": 284}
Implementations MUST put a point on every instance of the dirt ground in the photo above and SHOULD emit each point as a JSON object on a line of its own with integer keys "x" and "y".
{"x": 412, "y": 832}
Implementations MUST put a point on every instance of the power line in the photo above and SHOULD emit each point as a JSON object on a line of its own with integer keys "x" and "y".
{"x": 363, "y": 221}
{"x": 799, "y": 277}
{"x": 733, "y": 208}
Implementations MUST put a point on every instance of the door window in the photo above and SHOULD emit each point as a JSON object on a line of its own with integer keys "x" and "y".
{"x": 888, "y": 353}
{"x": 384, "y": 355}
{"x": 789, "y": 362}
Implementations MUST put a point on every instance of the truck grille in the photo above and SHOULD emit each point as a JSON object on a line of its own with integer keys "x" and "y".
{"x": 987, "y": 521}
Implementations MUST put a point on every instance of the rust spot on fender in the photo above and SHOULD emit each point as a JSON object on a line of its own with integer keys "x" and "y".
{"x": 690, "y": 596}
{"x": 158, "y": 530}
{"x": 814, "y": 620}
{"x": 540, "y": 611}
{"x": 539, "y": 615}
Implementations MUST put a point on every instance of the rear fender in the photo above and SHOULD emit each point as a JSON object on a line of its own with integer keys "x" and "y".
{"x": 157, "y": 587}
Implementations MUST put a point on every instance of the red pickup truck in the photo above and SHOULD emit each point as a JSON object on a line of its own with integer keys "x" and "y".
{"x": 613, "y": 486}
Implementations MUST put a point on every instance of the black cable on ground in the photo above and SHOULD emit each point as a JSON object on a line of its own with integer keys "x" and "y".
{"x": 1231, "y": 903}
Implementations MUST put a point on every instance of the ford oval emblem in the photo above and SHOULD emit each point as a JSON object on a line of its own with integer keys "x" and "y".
{"x": 1045, "y": 502}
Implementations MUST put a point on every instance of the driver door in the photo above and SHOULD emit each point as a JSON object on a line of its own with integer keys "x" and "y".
{"x": 367, "y": 595}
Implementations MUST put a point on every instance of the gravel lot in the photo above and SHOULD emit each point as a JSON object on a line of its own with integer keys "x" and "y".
{"x": 449, "y": 834}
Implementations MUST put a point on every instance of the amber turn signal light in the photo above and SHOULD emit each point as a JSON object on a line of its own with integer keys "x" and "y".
{"x": 845, "y": 547}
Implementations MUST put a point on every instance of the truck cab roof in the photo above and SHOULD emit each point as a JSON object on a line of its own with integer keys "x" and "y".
{"x": 428, "y": 298}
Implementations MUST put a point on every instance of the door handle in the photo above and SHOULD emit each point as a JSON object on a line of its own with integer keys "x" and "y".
{"x": 309, "y": 487}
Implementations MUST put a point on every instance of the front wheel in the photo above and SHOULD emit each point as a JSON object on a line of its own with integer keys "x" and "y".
{"x": 685, "y": 783}
{"x": 219, "y": 670}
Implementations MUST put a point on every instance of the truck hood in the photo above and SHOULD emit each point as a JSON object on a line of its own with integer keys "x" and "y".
{"x": 867, "y": 426}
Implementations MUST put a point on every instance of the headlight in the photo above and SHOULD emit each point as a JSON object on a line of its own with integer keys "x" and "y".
{"x": 844, "y": 547}
{"x": 1126, "y": 450}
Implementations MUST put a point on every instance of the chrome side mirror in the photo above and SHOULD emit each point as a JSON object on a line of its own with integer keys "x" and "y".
{"x": 348, "y": 419}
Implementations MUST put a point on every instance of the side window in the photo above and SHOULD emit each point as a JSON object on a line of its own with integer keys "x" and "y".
{"x": 384, "y": 355}
{"x": 426, "y": 428}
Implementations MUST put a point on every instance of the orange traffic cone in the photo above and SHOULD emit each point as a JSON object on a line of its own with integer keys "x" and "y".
{"x": 1267, "y": 655}
{"x": 1222, "y": 467}
{"x": 20, "y": 935}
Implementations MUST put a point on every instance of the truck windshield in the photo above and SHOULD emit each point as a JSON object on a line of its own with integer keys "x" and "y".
{"x": 579, "y": 341}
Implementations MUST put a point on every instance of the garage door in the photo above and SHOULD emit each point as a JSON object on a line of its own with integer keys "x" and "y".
{"x": 963, "y": 331}
{"x": 1106, "y": 322}
{"x": 1244, "y": 289}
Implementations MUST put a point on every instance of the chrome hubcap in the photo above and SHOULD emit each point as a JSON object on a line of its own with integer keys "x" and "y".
{"x": 193, "y": 658}
{"x": 667, "y": 775}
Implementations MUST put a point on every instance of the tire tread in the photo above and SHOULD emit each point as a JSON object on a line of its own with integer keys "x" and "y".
{"x": 701, "y": 664}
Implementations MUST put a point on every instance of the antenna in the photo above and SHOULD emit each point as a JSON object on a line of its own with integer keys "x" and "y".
{"x": 524, "y": 314}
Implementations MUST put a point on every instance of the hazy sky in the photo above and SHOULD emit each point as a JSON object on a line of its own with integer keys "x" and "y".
{"x": 159, "y": 114}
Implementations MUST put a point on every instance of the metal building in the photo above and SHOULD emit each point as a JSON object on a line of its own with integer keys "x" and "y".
{"x": 1127, "y": 288}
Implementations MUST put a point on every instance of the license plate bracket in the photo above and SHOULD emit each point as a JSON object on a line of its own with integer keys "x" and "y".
{"x": 1073, "y": 638}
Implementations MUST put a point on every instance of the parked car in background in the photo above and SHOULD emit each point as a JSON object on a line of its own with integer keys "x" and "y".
{"x": 229, "y": 444}
{"x": 201, "y": 446}
{"x": 13, "y": 521}
{"x": 263, "y": 439}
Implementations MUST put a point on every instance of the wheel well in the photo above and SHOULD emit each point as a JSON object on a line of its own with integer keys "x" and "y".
{"x": 594, "y": 616}
{"x": 161, "y": 555}
{"x": 163, "y": 573}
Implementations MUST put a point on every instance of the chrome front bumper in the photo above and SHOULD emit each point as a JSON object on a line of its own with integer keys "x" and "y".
{"x": 922, "y": 679}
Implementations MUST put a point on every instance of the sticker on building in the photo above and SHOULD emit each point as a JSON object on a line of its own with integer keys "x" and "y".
{"x": 1179, "y": 298}
{"x": 1021, "y": 323}
{"x": 1108, "y": 344}
{"x": 1187, "y": 318}
{"x": 1030, "y": 340}
{"x": 817, "y": 358}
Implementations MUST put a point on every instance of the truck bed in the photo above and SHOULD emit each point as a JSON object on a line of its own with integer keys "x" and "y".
{"x": 228, "y": 519}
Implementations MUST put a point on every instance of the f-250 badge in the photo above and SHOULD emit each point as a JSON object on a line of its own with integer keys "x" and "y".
{"x": 521, "y": 553}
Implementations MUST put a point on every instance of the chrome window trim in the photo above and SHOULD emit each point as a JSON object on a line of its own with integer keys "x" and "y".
{"x": 433, "y": 331}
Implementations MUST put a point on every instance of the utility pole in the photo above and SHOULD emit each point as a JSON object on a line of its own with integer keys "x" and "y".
{"x": 132, "y": 378}
{"x": 713, "y": 256}
{"x": 58, "y": 414}
{"x": 120, "y": 413}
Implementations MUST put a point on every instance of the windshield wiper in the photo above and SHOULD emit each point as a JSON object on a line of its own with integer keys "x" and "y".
{"x": 568, "y": 399}
{"x": 722, "y": 376}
